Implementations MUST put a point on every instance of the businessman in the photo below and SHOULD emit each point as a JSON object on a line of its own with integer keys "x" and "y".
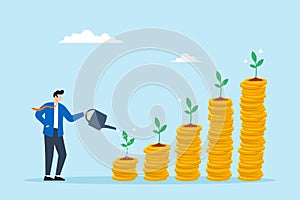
{"x": 51, "y": 116}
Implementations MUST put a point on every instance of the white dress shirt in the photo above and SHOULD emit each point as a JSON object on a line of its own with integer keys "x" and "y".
{"x": 55, "y": 124}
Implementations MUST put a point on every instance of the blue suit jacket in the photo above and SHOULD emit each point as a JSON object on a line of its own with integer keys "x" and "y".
{"x": 48, "y": 119}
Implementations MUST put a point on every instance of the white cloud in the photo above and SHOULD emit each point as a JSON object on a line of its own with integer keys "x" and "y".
{"x": 260, "y": 51}
{"x": 185, "y": 57}
{"x": 89, "y": 37}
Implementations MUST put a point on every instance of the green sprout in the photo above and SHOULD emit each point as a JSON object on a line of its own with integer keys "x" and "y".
{"x": 160, "y": 129}
{"x": 256, "y": 63}
{"x": 221, "y": 82}
{"x": 127, "y": 142}
{"x": 191, "y": 110}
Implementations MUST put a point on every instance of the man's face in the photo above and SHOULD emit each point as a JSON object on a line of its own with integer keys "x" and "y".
{"x": 58, "y": 98}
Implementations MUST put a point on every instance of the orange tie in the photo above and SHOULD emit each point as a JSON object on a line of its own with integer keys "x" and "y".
{"x": 42, "y": 108}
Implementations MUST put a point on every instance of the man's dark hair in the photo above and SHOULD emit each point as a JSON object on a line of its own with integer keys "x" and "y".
{"x": 58, "y": 92}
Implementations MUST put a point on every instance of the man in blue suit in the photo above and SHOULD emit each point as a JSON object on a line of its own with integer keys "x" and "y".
{"x": 51, "y": 116}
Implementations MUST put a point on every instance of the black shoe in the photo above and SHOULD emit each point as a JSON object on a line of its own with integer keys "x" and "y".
{"x": 58, "y": 178}
{"x": 48, "y": 178}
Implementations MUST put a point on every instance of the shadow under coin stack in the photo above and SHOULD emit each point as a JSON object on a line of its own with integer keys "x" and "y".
{"x": 124, "y": 169}
{"x": 220, "y": 139}
{"x": 188, "y": 152}
{"x": 156, "y": 162}
{"x": 253, "y": 116}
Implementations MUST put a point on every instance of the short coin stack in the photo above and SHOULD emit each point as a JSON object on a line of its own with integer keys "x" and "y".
{"x": 124, "y": 169}
{"x": 253, "y": 116}
{"x": 156, "y": 162}
{"x": 220, "y": 139}
{"x": 188, "y": 152}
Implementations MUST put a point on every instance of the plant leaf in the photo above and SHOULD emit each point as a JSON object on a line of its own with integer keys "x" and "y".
{"x": 195, "y": 108}
{"x": 254, "y": 57}
{"x": 131, "y": 141}
{"x": 219, "y": 77}
{"x": 125, "y": 136}
{"x": 124, "y": 145}
{"x": 253, "y": 66}
{"x": 155, "y": 131}
{"x": 217, "y": 85}
{"x": 260, "y": 62}
{"x": 224, "y": 82}
{"x": 157, "y": 122}
{"x": 188, "y": 102}
{"x": 163, "y": 128}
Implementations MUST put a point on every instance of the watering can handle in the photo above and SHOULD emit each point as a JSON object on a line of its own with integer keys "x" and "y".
{"x": 87, "y": 114}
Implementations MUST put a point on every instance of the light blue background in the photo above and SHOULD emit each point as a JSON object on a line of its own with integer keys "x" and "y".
{"x": 33, "y": 65}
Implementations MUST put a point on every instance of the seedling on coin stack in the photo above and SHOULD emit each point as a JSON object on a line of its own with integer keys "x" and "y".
{"x": 157, "y": 157}
{"x": 124, "y": 169}
{"x": 191, "y": 110}
{"x": 220, "y": 135}
{"x": 127, "y": 143}
{"x": 255, "y": 65}
{"x": 159, "y": 130}
{"x": 253, "y": 116}
{"x": 188, "y": 147}
{"x": 221, "y": 84}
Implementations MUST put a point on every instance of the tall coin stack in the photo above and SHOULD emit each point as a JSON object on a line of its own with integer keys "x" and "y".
{"x": 124, "y": 169}
{"x": 220, "y": 139}
{"x": 253, "y": 116}
{"x": 156, "y": 162}
{"x": 188, "y": 152}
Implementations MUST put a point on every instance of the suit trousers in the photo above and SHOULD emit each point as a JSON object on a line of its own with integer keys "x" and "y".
{"x": 58, "y": 143}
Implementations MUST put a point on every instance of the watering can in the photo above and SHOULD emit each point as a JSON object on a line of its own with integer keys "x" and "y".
{"x": 98, "y": 120}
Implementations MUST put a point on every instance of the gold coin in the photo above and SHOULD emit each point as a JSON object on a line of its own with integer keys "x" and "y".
{"x": 155, "y": 170}
{"x": 124, "y": 178}
{"x": 153, "y": 149}
{"x": 251, "y": 152}
{"x": 226, "y": 102}
{"x": 256, "y": 92}
{"x": 188, "y": 174}
{"x": 220, "y": 111}
{"x": 251, "y": 175}
{"x": 258, "y": 129}
{"x": 251, "y": 133}
{"x": 150, "y": 178}
{"x": 217, "y": 166}
{"x": 249, "y": 158}
{"x": 249, "y": 83}
{"x": 248, "y": 166}
{"x": 215, "y": 178}
{"x": 218, "y": 170}
{"x": 243, "y": 178}
{"x": 120, "y": 174}
{"x": 182, "y": 178}
{"x": 184, "y": 128}
{"x": 157, "y": 173}
{"x": 254, "y": 99}
{"x": 180, "y": 165}
{"x": 254, "y": 124}
{"x": 187, "y": 171}
{"x": 127, "y": 162}
{"x": 189, "y": 160}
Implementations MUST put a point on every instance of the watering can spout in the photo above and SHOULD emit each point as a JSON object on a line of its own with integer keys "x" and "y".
{"x": 97, "y": 120}
{"x": 109, "y": 127}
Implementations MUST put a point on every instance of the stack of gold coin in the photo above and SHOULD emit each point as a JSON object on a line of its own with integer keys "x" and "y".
{"x": 156, "y": 162}
{"x": 124, "y": 169}
{"x": 188, "y": 152}
{"x": 220, "y": 139}
{"x": 253, "y": 116}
